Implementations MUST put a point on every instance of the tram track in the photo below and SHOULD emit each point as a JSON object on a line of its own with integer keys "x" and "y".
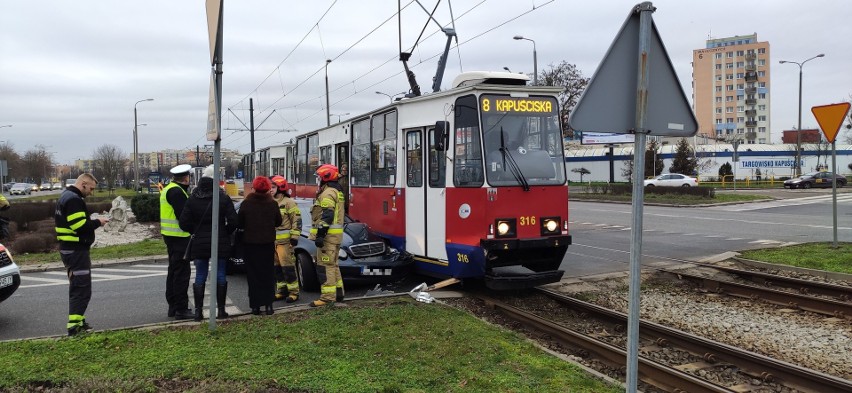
{"x": 671, "y": 360}
{"x": 802, "y": 300}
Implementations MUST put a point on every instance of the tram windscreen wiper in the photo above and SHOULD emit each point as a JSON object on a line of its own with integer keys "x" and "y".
{"x": 513, "y": 165}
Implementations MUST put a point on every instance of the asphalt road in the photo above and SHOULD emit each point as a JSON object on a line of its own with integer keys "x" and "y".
{"x": 133, "y": 294}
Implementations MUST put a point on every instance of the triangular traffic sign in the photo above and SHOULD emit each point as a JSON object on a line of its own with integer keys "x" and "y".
{"x": 609, "y": 102}
{"x": 830, "y": 118}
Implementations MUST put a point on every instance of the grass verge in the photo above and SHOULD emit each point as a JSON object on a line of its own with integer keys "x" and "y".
{"x": 147, "y": 247}
{"x": 819, "y": 256}
{"x": 383, "y": 345}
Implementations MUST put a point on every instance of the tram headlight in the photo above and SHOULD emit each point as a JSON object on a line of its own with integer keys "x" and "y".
{"x": 550, "y": 225}
{"x": 506, "y": 227}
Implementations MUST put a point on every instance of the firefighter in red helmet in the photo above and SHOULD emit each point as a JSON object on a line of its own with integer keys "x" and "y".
{"x": 286, "y": 237}
{"x": 327, "y": 232}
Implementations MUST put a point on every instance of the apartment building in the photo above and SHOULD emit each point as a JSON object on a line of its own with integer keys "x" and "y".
{"x": 730, "y": 89}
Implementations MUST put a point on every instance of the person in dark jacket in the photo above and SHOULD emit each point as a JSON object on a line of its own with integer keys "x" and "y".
{"x": 197, "y": 219}
{"x": 258, "y": 217}
{"x": 76, "y": 233}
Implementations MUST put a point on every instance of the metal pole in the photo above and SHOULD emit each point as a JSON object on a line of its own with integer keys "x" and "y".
{"x": 799, "y": 127}
{"x": 834, "y": 190}
{"x": 135, "y": 152}
{"x": 214, "y": 213}
{"x": 645, "y": 10}
{"x": 535, "y": 65}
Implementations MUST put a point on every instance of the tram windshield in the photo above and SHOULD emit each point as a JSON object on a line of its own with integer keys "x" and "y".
{"x": 523, "y": 141}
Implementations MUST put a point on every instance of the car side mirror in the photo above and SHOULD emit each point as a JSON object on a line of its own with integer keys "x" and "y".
{"x": 442, "y": 135}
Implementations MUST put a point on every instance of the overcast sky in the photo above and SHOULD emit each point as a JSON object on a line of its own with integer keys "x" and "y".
{"x": 71, "y": 71}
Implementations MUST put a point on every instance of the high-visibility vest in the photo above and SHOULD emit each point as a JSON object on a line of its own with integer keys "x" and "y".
{"x": 328, "y": 198}
{"x": 168, "y": 220}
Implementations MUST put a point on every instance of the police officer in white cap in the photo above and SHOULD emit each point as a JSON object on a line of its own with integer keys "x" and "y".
{"x": 172, "y": 200}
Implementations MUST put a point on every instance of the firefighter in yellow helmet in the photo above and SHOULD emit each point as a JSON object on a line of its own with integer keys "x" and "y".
{"x": 327, "y": 233}
{"x": 286, "y": 237}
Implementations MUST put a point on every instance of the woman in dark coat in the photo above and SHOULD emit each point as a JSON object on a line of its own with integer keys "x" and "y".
{"x": 258, "y": 217}
{"x": 197, "y": 219}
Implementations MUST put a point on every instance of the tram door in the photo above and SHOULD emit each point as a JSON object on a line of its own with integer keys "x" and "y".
{"x": 415, "y": 193}
{"x": 425, "y": 199}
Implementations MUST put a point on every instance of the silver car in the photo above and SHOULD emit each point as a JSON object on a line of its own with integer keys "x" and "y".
{"x": 21, "y": 189}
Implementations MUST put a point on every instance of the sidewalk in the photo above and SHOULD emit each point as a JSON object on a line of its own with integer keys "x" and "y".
{"x": 51, "y": 266}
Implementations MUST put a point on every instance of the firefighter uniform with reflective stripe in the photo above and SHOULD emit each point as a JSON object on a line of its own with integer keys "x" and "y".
{"x": 75, "y": 232}
{"x": 290, "y": 228}
{"x": 172, "y": 200}
{"x": 327, "y": 217}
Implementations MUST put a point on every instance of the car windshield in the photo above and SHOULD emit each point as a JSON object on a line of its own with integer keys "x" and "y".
{"x": 523, "y": 141}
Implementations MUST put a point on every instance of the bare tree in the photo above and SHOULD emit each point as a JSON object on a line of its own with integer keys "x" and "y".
{"x": 37, "y": 164}
{"x": 568, "y": 76}
{"x": 108, "y": 162}
{"x": 13, "y": 161}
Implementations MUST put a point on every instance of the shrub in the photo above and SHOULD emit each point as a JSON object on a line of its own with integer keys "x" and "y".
{"x": 146, "y": 207}
{"x": 33, "y": 243}
{"x": 705, "y": 192}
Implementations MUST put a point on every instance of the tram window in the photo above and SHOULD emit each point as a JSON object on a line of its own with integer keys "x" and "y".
{"x": 301, "y": 163}
{"x": 383, "y": 130}
{"x": 325, "y": 155}
{"x": 437, "y": 162}
{"x": 313, "y": 156}
{"x": 414, "y": 159}
{"x": 360, "y": 176}
{"x": 467, "y": 161}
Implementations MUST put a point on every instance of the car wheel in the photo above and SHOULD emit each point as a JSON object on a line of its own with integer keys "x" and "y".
{"x": 685, "y": 185}
{"x": 649, "y": 185}
{"x": 308, "y": 280}
{"x": 806, "y": 185}
{"x": 840, "y": 184}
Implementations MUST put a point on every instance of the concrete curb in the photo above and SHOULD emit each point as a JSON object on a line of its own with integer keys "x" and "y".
{"x": 52, "y": 266}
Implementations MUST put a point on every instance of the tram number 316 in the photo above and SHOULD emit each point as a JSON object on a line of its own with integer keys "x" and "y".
{"x": 462, "y": 258}
{"x": 526, "y": 220}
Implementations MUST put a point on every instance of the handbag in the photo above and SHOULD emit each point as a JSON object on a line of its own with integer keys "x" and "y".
{"x": 187, "y": 254}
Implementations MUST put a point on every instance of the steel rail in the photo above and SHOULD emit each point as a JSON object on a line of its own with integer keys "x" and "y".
{"x": 839, "y": 292}
{"x": 834, "y": 308}
{"x": 755, "y": 365}
{"x": 651, "y": 372}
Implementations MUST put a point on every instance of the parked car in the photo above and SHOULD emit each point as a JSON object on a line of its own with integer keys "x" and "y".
{"x": 7, "y": 186}
{"x": 56, "y": 186}
{"x": 10, "y": 274}
{"x": 815, "y": 179}
{"x": 364, "y": 258}
{"x": 35, "y": 188}
{"x": 672, "y": 180}
{"x": 21, "y": 189}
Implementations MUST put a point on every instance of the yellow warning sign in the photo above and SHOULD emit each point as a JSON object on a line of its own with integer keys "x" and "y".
{"x": 830, "y": 118}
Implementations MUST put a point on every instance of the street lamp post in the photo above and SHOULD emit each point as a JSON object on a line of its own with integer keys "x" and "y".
{"x": 136, "y": 145}
{"x": 535, "y": 58}
{"x": 798, "y": 164}
{"x": 390, "y": 97}
{"x": 338, "y": 116}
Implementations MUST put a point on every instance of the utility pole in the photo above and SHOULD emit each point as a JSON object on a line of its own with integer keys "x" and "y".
{"x": 251, "y": 123}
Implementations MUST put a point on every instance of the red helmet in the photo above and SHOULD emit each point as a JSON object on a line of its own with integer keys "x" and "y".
{"x": 328, "y": 172}
{"x": 279, "y": 181}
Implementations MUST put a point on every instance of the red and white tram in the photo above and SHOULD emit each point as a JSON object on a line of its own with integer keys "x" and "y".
{"x": 470, "y": 181}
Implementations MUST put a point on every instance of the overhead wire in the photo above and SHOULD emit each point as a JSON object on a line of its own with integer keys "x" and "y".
{"x": 374, "y": 69}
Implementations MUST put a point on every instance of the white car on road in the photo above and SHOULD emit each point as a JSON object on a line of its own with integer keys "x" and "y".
{"x": 672, "y": 180}
{"x": 21, "y": 189}
{"x": 10, "y": 275}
